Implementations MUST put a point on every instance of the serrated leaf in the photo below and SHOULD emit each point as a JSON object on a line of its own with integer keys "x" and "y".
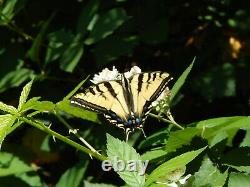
{"x": 8, "y": 108}
{"x": 173, "y": 164}
{"x": 181, "y": 137}
{"x": 73, "y": 176}
{"x": 65, "y": 106}
{"x": 14, "y": 166}
{"x": 238, "y": 179}
{"x": 106, "y": 25}
{"x": 181, "y": 80}
{"x": 209, "y": 175}
{"x": 120, "y": 150}
{"x": 35, "y": 104}
{"x": 24, "y": 94}
{"x": 88, "y": 184}
{"x": 6, "y": 121}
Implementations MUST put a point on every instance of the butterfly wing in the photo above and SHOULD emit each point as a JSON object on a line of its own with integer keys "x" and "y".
{"x": 107, "y": 98}
{"x": 146, "y": 88}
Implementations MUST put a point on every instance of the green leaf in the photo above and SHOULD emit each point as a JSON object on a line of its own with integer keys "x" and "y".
{"x": 246, "y": 140}
{"x": 8, "y": 108}
{"x": 13, "y": 166}
{"x": 150, "y": 155}
{"x": 58, "y": 43}
{"x": 24, "y": 94}
{"x": 156, "y": 139}
{"x": 88, "y": 184}
{"x": 119, "y": 150}
{"x": 32, "y": 179}
{"x": 173, "y": 164}
{"x": 106, "y": 25}
{"x": 6, "y": 121}
{"x": 238, "y": 179}
{"x": 181, "y": 137}
{"x": 7, "y": 12}
{"x": 15, "y": 78}
{"x": 86, "y": 15}
{"x": 42, "y": 106}
{"x": 217, "y": 82}
{"x": 112, "y": 47}
{"x": 209, "y": 175}
{"x": 34, "y": 52}
{"x": 73, "y": 176}
{"x": 72, "y": 55}
{"x": 65, "y": 106}
{"x": 230, "y": 125}
{"x": 181, "y": 80}
{"x": 76, "y": 89}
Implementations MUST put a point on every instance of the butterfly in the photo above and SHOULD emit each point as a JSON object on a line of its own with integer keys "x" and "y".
{"x": 126, "y": 100}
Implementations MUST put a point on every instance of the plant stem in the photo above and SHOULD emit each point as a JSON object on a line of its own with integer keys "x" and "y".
{"x": 44, "y": 128}
{"x": 72, "y": 130}
{"x": 166, "y": 120}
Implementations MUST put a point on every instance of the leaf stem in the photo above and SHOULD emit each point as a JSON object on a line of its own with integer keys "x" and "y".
{"x": 46, "y": 129}
{"x": 72, "y": 130}
{"x": 172, "y": 121}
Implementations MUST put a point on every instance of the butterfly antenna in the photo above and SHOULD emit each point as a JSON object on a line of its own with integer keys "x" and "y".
{"x": 143, "y": 133}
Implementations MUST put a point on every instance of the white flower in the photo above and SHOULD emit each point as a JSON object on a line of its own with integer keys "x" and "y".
{"x": 175, "y": 178}
{"x": 184, "y": 180}
{"x": 162, "y": 97}
{"x": 134, "y": 70}
{"x": 106, "y": 75}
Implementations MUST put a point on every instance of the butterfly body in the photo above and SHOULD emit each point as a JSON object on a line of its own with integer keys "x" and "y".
{"x": 124, "y": 102}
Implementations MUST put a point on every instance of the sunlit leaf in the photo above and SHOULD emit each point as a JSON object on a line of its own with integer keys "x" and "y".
{"x": 117, "y": 149}
{"x": 171, "y": 165}
{"x": 238, "y": 179}
{"x": 209, "y": 175}
{"x": 14, "y": 166}
{"x": 7, "y": 108}
{"x": 24, "y": 94}
{"x": 6, "y": 121}
{"x": 73, "y": 176}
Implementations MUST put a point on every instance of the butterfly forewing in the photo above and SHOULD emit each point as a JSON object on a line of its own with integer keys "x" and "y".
{"x": 107, "y": 98}
{"x": 145, "y": 88}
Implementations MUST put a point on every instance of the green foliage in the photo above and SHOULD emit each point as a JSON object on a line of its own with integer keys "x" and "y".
{"x": 171, "y": 165}
{"x": 73, "y": 176}
{"x": 120, "y": 149}
{"x": 181, "y": 80}
{"x": 47, "y": 47}
{"x": 209, "y": 175}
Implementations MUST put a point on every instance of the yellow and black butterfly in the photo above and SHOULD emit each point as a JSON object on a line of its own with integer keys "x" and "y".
{"x": 125, "y": 102}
